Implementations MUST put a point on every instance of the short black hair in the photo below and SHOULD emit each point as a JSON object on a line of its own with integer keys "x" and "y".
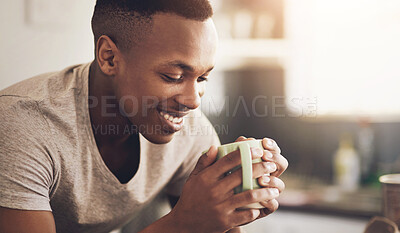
{"x": 127, "y": 22}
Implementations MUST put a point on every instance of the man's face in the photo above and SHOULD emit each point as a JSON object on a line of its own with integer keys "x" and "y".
{"x": 164, "y": 77}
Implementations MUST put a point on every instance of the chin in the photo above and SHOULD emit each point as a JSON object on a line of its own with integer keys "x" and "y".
{"x": 153, "y": 129}
{"x": 158, "y": 138}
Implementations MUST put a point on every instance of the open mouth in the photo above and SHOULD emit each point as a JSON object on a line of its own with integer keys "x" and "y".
{"x": 170, "y": 118}
{"x": 171, "y": 121}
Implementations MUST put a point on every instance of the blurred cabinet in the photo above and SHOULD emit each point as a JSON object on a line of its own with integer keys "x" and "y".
{"x": 251, "y": 33}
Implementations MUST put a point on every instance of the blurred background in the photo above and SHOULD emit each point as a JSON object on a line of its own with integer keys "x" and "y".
{"x": 320, "y": 77}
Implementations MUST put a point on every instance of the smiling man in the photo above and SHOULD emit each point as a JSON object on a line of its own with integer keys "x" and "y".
{"x": 87, "y": 148}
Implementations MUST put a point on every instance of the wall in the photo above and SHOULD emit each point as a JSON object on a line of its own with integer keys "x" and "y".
{"x": 39, "y": 36}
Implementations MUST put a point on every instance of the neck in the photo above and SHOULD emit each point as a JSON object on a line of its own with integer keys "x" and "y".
{"x": 108, "y": 123}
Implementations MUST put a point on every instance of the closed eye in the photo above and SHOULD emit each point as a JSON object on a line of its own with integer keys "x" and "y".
{"x": 171, "y": 79}
{"x": 202, "y": 79}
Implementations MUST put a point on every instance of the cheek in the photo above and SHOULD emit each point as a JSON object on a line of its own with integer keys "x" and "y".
{"x": 147, "y": 88}
{"x": 130, "y": 105}
{"x": 161, "y": 89}
{"x": 136, "y": 84}
{"x": 151, "y": 95}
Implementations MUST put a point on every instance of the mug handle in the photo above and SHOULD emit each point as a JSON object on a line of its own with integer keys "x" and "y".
{"x": 247, "y": 169}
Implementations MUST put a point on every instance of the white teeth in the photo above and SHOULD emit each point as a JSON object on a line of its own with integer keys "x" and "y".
{"x": 176, "y": 120}
{"x": 171, "y": 118}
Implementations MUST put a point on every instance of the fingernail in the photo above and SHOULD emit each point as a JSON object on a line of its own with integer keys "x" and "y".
{"x": 257, "y": 152}
{"x": 266, "y": 178}
{"x": 268, "y": 154}
{"x": 274, "y": 191}
{"x": 271, "y": 167}
{"x": 270, "y": 143}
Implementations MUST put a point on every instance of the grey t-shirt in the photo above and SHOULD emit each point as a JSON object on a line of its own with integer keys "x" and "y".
{"x": 49, "y": 159}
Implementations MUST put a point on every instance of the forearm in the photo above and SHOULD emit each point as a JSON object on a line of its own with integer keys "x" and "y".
{"x": 167, "y": 224}
{"x": 164, "y": 224}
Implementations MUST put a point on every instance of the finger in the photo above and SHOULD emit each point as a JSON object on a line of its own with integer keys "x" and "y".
{"x": 271, "y": 182}
{"x": 230, "y": 161}
{"x": 282, "y": 164}
{"x": 251, "y": 196}
{"x": 241, "y": 138}
{"x": 280, "y": 161}
{"x": 235, "y": 179}
{"x": 262, "y": 168}
{"x": 268, "y": 156}
{"x": 270, "y": 207}
{"x": 241, "y": 217}
{"x": 205, "y": 160}
{"x": 270, "y": 144}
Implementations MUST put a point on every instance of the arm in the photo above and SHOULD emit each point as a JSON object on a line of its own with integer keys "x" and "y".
{"x": 173, "y": 200}
{"x": 32, "y": 221}
{"x": 27, "y": 170}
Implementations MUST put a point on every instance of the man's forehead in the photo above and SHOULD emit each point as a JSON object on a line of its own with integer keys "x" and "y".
{"x": 164, "y": 26}
{"x": 180, "y": 43}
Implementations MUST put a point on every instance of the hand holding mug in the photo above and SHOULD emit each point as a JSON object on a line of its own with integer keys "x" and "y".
{"x": 208, "y": 202}
{"x": 271, "y": 153}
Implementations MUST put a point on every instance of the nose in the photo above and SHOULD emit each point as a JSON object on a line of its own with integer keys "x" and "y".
{"x": 190, "y": 97}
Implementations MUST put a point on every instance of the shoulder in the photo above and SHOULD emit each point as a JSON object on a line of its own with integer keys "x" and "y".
{"x": 34, "y": 106}
{"x": 19, "y": 111}
{"x": 23, "y": 127}
{"x": 47, "y": 85}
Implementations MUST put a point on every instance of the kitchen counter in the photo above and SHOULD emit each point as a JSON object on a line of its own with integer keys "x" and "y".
{"x": 284, "y": 221}
{"x": 317, "y": 197}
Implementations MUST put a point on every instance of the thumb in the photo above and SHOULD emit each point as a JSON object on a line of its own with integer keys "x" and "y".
{"x": 205, "y": 160}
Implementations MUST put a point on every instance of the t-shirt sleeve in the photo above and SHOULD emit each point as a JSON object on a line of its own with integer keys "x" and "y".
{"x": 26, "y": 168}
{"x": 207, "y": 139}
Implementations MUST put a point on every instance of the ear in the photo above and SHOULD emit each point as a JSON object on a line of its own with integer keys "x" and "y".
{"x": 108, "y": 56}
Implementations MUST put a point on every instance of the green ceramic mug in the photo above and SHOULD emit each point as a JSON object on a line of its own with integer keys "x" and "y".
{"x": 248, "y": 183}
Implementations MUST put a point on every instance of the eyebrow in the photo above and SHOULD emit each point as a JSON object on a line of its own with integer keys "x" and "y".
{"x": 182, "y": 65}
